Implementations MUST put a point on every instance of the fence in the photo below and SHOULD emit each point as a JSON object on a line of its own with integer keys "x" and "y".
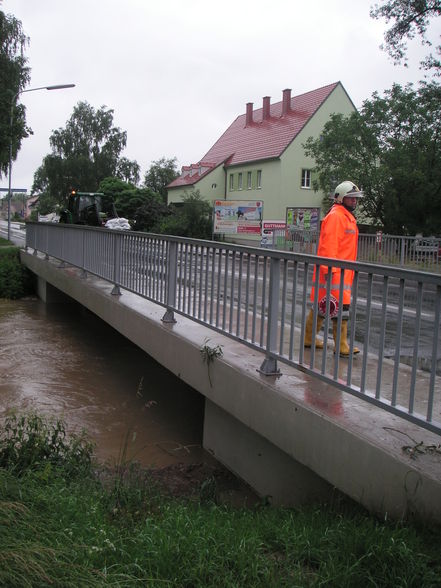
{"x": 420, "y": 253}
{"x": 260, "y": 297}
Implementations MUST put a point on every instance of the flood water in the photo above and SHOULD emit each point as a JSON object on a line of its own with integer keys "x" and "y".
{"x": 62, "y": 361}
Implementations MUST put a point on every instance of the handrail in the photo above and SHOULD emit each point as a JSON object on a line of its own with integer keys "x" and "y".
{"x": 260, "y": 297}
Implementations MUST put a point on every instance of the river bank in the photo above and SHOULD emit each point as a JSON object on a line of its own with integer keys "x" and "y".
{"x": 67, "y": 521}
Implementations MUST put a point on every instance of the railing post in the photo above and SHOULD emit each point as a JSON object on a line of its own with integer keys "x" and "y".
{"x": 269, "y": 364}
{"x": 83, "y": 255}
{"x": 403, "y": 251}
{"x": 35, "y": 243}
{"x": 62, "y": 263}
{"x": 46, "y": 257}
{"x": 116, "y": 264}
{"x": 172, "y": 273}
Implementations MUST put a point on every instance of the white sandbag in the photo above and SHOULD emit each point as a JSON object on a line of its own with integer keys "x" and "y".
{"x": 119, "y": 224}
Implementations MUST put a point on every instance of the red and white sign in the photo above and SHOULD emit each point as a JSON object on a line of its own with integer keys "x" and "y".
{"x": 268, "y": 226}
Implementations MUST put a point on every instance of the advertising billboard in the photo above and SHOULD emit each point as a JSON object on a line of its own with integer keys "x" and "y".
{"x": 238, "y": 217}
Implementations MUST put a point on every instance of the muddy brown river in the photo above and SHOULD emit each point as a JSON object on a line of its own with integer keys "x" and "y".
{"x": 62, "y": 361}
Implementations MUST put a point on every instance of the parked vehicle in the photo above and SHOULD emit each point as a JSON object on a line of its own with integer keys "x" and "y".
{"x": 427, "y": 246}
{"x": 88, "y": 208}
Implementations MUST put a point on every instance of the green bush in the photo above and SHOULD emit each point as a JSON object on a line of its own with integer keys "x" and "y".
{"x": 15, "y": 279}
{"x": 191, "y": 218}
{"x": 34, "y": 442}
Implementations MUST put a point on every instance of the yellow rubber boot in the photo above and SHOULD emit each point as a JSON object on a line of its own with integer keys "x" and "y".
{"x": 308, "y": 330}
{"x": 344, "y": 346}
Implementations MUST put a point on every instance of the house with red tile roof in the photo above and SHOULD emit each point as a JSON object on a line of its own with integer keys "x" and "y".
{"x": 260, "y": 155}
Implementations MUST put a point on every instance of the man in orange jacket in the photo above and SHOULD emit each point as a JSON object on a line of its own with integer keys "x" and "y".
{"x": 338, "y": 240}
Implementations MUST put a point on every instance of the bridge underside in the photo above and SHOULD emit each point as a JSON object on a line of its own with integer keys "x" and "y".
{"x": 291, "y": 437}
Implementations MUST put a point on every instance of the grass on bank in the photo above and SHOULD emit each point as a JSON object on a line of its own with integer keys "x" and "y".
{"x": 62, "y": 525}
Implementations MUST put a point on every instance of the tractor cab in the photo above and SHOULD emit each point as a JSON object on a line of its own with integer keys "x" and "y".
{"x": 88, "y": 208}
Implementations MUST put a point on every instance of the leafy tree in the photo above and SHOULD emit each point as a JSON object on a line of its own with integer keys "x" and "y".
{"x": 143, "y": 207}
{"x": 14, "y": 75}
{"x": 392, "y": 148}
{"x": 128, "y": 170}
{"x": 114, "y": 187}
{"x": 150, "y": 215}
{"x": 410, "y": 18}
{"x": 46, "y": 204}
{"x": 160, "y": 174}
{"x": 192, "y": 218}
{"x": 85, "y": 152}
{"x": 128, "y": 202}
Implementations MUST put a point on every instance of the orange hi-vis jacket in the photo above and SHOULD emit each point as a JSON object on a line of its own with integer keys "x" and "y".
{"x": 339, "y": 240}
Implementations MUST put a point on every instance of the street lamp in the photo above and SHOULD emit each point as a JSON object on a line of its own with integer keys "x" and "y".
{"x": 11, "y": 120}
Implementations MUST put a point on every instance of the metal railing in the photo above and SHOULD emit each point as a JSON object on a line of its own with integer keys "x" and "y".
{"x": 261, "y": 298}
{"x": 419, "y": 253}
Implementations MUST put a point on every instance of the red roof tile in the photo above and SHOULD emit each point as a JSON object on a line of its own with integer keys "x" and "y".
{"x": 262, "y": 139}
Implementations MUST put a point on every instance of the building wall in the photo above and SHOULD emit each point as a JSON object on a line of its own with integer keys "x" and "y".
{"x": 293, "y": 160}
{"x": 211, "y": 187}
{"x": 269, "y": 190}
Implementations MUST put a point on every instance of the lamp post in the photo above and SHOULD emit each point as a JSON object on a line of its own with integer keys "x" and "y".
{"x": 11, "y": 120}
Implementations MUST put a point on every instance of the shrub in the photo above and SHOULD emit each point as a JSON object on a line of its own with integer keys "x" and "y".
{"x": 35, "y": 442}
{"x": 15, "y": 279}
{"x": 191, "y": 218}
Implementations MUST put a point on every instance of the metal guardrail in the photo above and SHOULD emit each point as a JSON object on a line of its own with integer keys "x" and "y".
{"x": 261, "y": 298}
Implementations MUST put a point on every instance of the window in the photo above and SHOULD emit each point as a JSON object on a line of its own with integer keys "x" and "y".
{"x": 240, "y": 181}
{"x": 306, "y": 178}
{"x": 231, "y": 182}
{"x": 249, "y": 185}
{"x": 259, "y": 179}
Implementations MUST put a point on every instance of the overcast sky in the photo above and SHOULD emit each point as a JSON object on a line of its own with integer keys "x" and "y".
{"x": 177, "y": 73}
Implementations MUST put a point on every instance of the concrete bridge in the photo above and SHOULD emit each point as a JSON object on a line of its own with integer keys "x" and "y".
{"x": 291, "y": 436}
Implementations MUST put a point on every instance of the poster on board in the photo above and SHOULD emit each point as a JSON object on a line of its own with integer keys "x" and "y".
{"x": 238, "y": 217}
{"x": 302, "y": 219}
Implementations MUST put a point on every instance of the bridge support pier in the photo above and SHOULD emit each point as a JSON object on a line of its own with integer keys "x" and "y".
{"x": 268, "y": 470}
{"x": 49, "y": 294}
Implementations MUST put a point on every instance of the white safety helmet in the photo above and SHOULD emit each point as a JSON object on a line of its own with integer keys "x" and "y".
{"x": 347, "y": 188}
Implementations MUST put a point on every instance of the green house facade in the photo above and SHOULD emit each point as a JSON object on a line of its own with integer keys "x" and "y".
{"x": 260, "y": 156}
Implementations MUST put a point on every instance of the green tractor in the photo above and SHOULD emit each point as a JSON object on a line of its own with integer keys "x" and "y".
{"x": 88, "y": 208}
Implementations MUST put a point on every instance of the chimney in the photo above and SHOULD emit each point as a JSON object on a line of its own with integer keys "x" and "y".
{"x": 286, "y": 104}
{"x": 249, "y": 114}
{"x": 266, "y": 108}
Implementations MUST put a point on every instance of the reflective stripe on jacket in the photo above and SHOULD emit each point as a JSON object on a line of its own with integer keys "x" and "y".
{"x": 339, "y": 240}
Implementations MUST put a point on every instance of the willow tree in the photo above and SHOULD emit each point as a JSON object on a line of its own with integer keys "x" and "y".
{"x": 14, "y": 76}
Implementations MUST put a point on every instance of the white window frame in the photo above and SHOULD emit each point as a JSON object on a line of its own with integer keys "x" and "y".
{"x": 249, "y": 180}
{"x": 231, "y": 182}
{"x": 239, "y": 181}
{"x": 305, "y": 181}
{"x": 259, "y": 179}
